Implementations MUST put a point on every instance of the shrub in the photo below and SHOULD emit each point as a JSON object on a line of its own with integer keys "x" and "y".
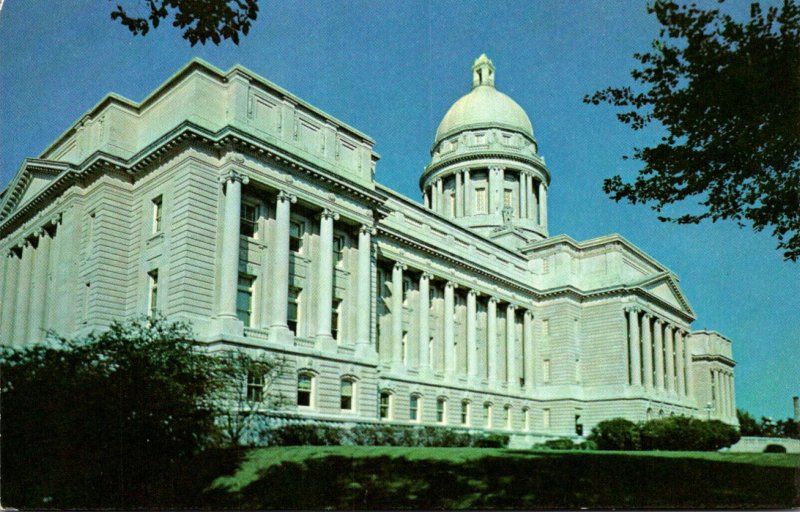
{"x": 563, "y": 443}
{"x": 587, "y": 445}
{"x": 616, "y": 434}
{"x": 492, "y": 441}
{"x": 775, "y": 448}
{"x": 683, "y": 433}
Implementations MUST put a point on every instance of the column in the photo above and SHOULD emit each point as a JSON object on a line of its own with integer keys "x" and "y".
{"x": 721, "y": 390}
{"x": 669, "y": 353}
{"x": 426, "y": 199}
{"x": 687, "y": 365}
{"x": 728, "y": 397}
{"x": 636, "y": 360}
{"x": 501, "y": 180}
{"x": 472, "y": 335}
{"x": 542, "y": 205}
{"x": 733, "y": 395}
{"x": 229, "y": 263}
{"x": 659, "y": 348}
{"x": 364, "y": 274}
{"x": 647, "y": 352}
{"x": 511, "y": 348}
{"x": 9, "y": 306}
{"x": 325, "y": 281}
{"x": 491, "y": 341}
{"x": 527, "y": 340}
{"x": 38, "y": 306}
{"x": 424, "y": 317}
{"x": 397, "y": 313}
{"x": 23, "y": 294}
{"x": 449, "y": 347}
{"x": 523, "y": 195}
{"x": 280, "y": 264}
{"x": 533, "y": 204}
{"x": 468, "y": 199}
{"x": 440, "y": 195}
{"x": 459, "y": 198}
{"x": 679, "y": 363}
{"x": 434, "y": 197}
{"x": 491, "y": 176}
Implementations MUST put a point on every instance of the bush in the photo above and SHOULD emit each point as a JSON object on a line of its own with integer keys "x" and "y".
{"x": 563, "y": 443}
{"x": 683, "y": 433}
{"x": 491, "y": 441}
{"x": 587, "y": 445}
{"x": 616, "y": 434}
{"x": 775, "y": 448}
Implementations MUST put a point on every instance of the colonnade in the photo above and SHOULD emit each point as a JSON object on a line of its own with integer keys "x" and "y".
{"x": 25, "y": 287}
{"x": 446, "y": 349}
{"x": 658, "y": 357}
{"x": 724, "y": 397}
{"x": 277, "y": 320}
{"x": 531, "y": 194}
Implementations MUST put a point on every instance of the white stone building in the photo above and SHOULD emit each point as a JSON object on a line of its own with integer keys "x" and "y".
{"x": 225, "y": 200}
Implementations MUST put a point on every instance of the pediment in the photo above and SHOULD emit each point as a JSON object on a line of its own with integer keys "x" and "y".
{"x": 33, "y": 177}
{"x": 665, "y": 287}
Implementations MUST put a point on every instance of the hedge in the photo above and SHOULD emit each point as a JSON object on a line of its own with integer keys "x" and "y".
{"x": 671, "y": 433}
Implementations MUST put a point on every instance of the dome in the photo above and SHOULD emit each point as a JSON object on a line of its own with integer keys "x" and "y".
{"x": 484, "y": 107}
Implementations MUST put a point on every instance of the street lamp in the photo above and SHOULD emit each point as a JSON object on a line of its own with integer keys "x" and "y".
{"x": 709, "y": 407}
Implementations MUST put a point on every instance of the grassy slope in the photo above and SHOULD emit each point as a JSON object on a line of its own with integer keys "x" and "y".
{"x": 397, "y": 477}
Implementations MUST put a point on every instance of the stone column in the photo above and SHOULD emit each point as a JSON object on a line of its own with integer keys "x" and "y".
{"x": 501, "y": 185}
{"x": 364, "y": 275}
{"x": 459, "y": 197}
{"x": 733, "y": 395}
{"x": 9, "y": 306}
{"x": 647, "y": 352}
{"x": 449, "y": 346}
{"x": 491, "y": 185}
{"x": 511, "y": 348}
{"x": 659, "y": 348}
{"x": 669, "y": 353}
{"x": 523, "y": 195}
{"x": 533, "y": 203}
{"x": 440, "y": 195}
{"x": 472, "y": 335}
{"x": 687, "y": 365}
{"x": 23, "y": 294}
{"x": 426, "y": 200}
{"x": 468, "y": 197}
{"x": 542, "y": 205}
{"x": 679, "y": 363}
{"x": 325, "y": 281}
{"x": 434, "y": 197}
{"x": 424, "y": 316}
{"x": 229, "y": 262}
{"x": 280, "y": 265}
{"x": 636, "y": 360}
{"x": 397, "y": 314}
{"x": 527, "y": 340}
{"x": 491, "y": 341}
{"x": 38, "y": 306}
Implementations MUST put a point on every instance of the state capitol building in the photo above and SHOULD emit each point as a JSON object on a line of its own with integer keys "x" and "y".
{"x": 226, "y": 201}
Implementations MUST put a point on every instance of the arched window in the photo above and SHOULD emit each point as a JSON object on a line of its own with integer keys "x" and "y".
{"x": 385, "y": 405}
{"x": 347, "y": 392}
{"x": 305, "y": 389}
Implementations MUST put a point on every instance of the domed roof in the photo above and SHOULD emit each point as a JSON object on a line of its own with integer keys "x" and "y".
{"x": 484, "y": 107}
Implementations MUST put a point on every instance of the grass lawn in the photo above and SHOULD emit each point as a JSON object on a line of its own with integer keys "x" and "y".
{"x": 344, "y": 477}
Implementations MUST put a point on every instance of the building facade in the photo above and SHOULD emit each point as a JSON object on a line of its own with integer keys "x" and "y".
{"x": 226, "y": 201}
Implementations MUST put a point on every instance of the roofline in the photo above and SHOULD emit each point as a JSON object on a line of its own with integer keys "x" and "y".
{"x": 711, "y": 333}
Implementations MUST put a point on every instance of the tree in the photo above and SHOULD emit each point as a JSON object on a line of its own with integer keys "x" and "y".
{"x": 728, "y": 96}
{"x": 748, "y": 426}
{"x": 200, "y": 20}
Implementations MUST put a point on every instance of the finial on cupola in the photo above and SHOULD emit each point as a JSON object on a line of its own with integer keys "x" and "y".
{"x": 482, "y": 72}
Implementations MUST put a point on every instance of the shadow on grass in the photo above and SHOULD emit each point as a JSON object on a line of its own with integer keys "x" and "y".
{"x": 558, "y": 480}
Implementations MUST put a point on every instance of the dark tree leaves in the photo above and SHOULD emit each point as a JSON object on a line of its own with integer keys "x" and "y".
{"x": 200, "y": 20}
{"x": 728, "y": 95}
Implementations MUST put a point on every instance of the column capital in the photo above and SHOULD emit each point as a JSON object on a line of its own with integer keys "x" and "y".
{"x": 494, "y": 300}
{"x": 366, "y": 229}
{"x": 231, "y": 176}
{"x": 529, "y": 314}
{"x": 511, "y": 307}
{"x": 286, "y": 196}
{"x": 497, "y": 168}
{"x": 658, "y": 321}
{"x": 647, "y": 314}
{"x": 327, "y": 213}
{"x": 474, "y": 293}
{"x": 451, "y": 284}
{"x": 55, "y": 220}
{"x": 40, "y": 233}
{"x": 400, "y": 266}
{"x": 426, "y": 275}
{"x": 632, "y": 309}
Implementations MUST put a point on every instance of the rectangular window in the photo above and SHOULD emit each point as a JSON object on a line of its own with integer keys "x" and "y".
{"x": 465, "y": 413}
{"x": 546, "y": 418}
{"x": 480, "y": 200}
{"x": 546, "y": 371}
{"x": 441, "y": 403}
{"x": 508, "y": 198}
{"x": 384, "y": 405}
{"x": 526, "y": 418}
{"x": 346, "y": 395}
{"x": 296, "y": 231}
{"x": 293, "y": 310}
{"x": 304, "y": 390}
{"x": 404, "y": 347}
{"x": 255, "y": 386}
{"x": 244, "y": 300}
{"x": 338, "y": 249}
{"x": 335, "y": 317}
{"x": 508, "y": 417}
{"x": 157, "y": 210}
{"x": 413, "y": 408}
{"x": 248, "y": 224}
{"x": 152, "y": 293}
{"x": 487, "y": 415}
{"x": 545, "y": 328}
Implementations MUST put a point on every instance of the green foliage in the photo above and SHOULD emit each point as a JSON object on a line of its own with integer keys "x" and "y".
{"x": 775, "y": 448}
{"x": 563, "y": 443}
{"x": 616, "y": 434}
{"x": 200, "y": 20}
{"x": 748, "y": 426}
{"x": 728, "y": 96}
{"x": 766, "y": 427}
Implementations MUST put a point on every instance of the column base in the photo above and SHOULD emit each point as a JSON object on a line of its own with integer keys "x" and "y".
{"x": 227, "y": 325}
{"x": 366, "y": 352}
{"x": 280, "y": 334}
{"x": 325, "y": 343}
{"x": 397, "y": 367}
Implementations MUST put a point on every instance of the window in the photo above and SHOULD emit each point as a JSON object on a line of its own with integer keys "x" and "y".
{"x": 465, "y": 412}
{"x": 338, "y": 249}
{"x": 305, "y": 389}
{"x": 578, "y": 425}
{"x": 546, "y": 371}
{"x": 157, "y": 210}
{"x": 441, "y": 410}
{"x": 404, "y": 347}
{"x": 293, "y": 311}
{"x": 480, "y": 200}
{"x": 346, "y": 389}
{"x": 244, "y": 300}
{"x": 546, "y": 418}
{"x": 487, "y": 415}
{"x": 335, "y": 312}
{"x": 545, "y": 326}
{"x": 508, "y": 417}
{"x": 414, "y": 408}
{"x": 296, "y": 230}
{"x": 152, "y": 295}
{"x": 385, "y": 405}
{"x": 430, "y": 352}
{"x": 255, "y": 386}
{"x": 526, "y": 418}
{"x": 248, "y": 223}
{"x": 508, "y": 198}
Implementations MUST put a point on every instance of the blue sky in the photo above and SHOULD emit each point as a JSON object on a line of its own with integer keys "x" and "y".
{"x": 391, "y": 69}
